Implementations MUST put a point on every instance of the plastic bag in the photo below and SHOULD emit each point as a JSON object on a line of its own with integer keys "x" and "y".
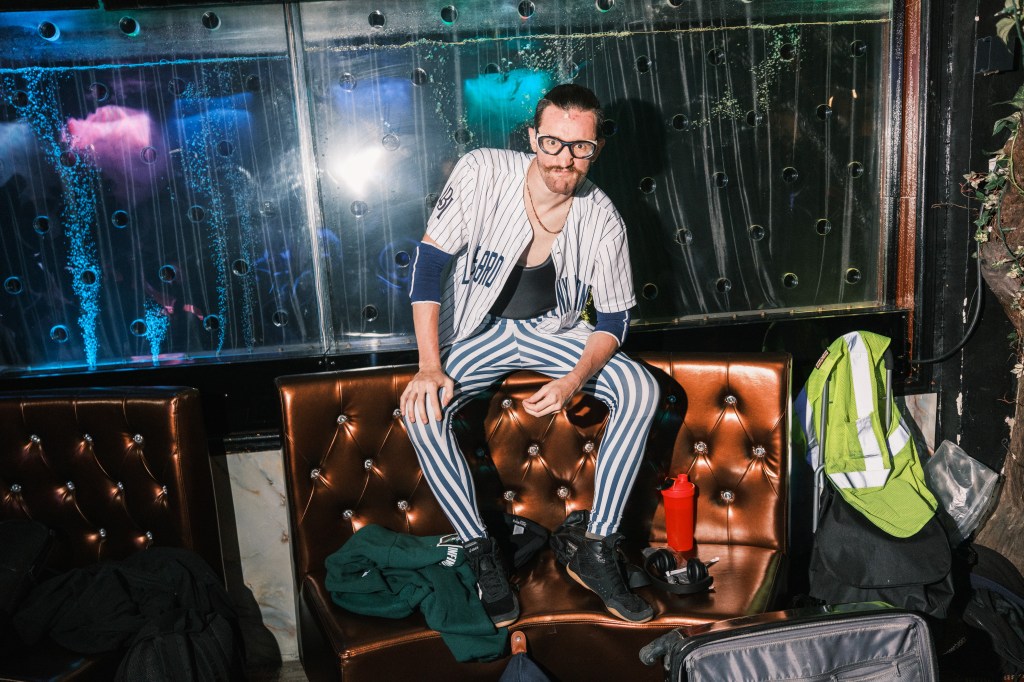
{"x": 965, "y": 487}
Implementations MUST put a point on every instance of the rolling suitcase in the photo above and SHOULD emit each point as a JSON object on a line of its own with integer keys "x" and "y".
{"x": 864, "y": 641}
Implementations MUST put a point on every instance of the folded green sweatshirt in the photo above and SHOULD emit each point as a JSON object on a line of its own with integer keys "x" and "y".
{"x": 379, "y": 572}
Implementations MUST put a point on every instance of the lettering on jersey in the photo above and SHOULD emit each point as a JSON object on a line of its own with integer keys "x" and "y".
{"x": 484, "y": 269}
{"x": 445, "y": 201}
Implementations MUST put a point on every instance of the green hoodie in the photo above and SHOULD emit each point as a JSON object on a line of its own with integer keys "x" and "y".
{"x": 379, "y": 572}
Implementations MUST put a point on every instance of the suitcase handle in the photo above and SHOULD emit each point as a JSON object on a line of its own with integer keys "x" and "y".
{"x": 659, "y": 648}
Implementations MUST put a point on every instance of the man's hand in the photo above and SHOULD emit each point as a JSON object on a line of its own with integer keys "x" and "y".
{"x": 420, "y": 397}
{"x": 552, "y": 396}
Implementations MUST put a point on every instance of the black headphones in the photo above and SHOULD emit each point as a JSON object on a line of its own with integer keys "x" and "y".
{"x": 660, "y": 566}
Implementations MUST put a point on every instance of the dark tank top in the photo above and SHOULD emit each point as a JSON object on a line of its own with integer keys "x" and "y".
{"x": 529, "y": 292}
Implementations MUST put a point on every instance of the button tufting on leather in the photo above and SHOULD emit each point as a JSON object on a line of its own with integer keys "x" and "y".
{"x": 70, "y": 485}
{"x": 403, "y": 505}
{"x": 149, "y": 535}
{"x": 700, "y": 447}
{"x": 15, "y": 487}
{"x": 35, "y": 439}
{"x": 102, "y": 532}
{"x": 314, "y": 474}
{"x": 480, "y": 452}
{"x": 347, "y": 514}
{"x": 759, "y": 451}
{"x": 509, "y": 495}
{"x": 506, "y": 403}
{"x": 589, "y": 446}
{"x": 367, "y": 464}
{"x": 728, "y": 496}
{"x": 120, "y": 486}
{"x": 138, "y": 438}
{"x": 163, "y": 490}
{"x": 562, "y": 492}
{"x": 534, "y": 449}
{"x": 672, "y": 400}
{"x": 396, "y": 413}
{"x": 342, "y": 418}
{"x": 86, "y": 437}
{"x": 730, "y": 400}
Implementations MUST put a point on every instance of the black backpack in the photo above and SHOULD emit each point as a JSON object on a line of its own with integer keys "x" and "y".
{"x": 853, "y": 560}
{"x": 996, "y": 607}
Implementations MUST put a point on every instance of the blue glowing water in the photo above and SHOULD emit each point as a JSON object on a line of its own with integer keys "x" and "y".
{"x": 79, "y": 180}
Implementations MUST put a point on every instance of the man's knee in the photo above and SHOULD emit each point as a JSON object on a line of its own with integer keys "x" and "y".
{"x": 643, "y": 390}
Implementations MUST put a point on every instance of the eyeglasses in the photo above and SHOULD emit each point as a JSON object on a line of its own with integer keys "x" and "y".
{"x": 580, "y": 149}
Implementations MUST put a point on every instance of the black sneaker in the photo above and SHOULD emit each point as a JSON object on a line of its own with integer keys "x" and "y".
{"x": 497, "y": 596}
{"x": 596, "y": 565}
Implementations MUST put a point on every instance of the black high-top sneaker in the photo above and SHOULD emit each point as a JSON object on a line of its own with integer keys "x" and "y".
{"x": 496, "y": 593}
{"x": 597, "y": 566}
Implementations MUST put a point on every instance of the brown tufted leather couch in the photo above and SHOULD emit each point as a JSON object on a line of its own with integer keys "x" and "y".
{"x": 723, "y": 419}
{"x": 110, "y": 471}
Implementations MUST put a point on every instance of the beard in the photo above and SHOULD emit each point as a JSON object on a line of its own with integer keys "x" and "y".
{"x": 559, "y": 179}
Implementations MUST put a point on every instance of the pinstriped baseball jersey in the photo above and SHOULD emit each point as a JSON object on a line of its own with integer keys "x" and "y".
{"x": 481, "y": 219}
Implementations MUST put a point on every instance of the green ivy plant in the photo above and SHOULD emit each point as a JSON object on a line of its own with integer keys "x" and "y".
{"x": 989, "y": 188}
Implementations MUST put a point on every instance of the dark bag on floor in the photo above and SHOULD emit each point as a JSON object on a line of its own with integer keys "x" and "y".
{"x": 184, "y": 646}
{"x": 852, "y": 560}
{"x": 996, "y": 607}
{"x": 849, "y": 642}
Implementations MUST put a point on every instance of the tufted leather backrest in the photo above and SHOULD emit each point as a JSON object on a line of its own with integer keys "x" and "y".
{"x": 724, "y": 420}
{"x": 109, "y": 471}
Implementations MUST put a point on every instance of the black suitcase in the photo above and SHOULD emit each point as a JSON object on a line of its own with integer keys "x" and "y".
{"x": 865, "y": 641}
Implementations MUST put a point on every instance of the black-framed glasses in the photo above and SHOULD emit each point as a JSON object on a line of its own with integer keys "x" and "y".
{"x": 580, "y": 149}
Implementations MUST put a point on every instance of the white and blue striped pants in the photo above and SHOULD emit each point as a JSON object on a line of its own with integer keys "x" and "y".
{"x": 505, "y": 346}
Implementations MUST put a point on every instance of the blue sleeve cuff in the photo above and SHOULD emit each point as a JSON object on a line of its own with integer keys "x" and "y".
{"x": 427, "y": 267}
{"x": 616, "y": 324}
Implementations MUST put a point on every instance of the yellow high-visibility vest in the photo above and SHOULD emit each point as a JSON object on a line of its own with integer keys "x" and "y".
{"x": 873, "y": 465}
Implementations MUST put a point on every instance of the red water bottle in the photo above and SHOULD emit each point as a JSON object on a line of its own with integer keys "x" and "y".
{"x": 679, "y": 513}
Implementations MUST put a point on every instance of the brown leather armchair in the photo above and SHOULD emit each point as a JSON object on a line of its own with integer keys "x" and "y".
{"x": 110, "y": 471}
{"x": 724, "y": 420}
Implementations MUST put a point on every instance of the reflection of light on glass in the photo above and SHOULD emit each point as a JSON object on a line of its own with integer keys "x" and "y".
{"x": 357, "y": 170}
{"x": 854, "y": 93}
{"x": 830, "y": 100}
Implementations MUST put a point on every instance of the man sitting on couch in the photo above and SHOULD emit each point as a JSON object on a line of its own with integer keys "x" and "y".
{"x": 532, "y": 239}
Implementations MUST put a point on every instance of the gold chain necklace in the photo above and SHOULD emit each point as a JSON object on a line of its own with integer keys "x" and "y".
{"x": 529, "y": 195}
